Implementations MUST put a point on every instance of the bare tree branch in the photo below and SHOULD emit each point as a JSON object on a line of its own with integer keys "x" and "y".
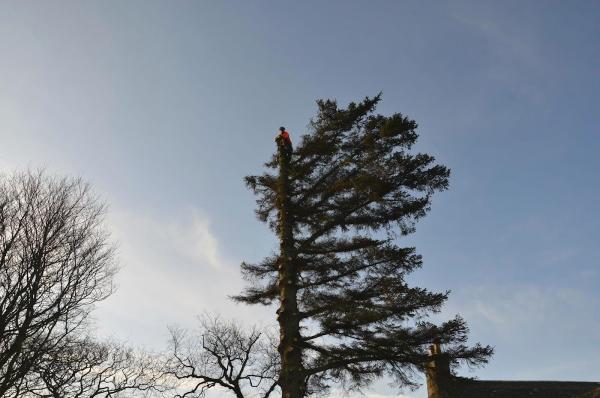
{"x": 223, "y": 355}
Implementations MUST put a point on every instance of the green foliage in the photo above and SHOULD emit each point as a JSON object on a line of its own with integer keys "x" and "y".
{"x": 355, "y": 189}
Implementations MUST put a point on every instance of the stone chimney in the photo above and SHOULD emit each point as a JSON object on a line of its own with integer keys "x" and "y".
{"x": 438, "y": 373}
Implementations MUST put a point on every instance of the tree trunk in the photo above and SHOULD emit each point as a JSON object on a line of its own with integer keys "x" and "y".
{"x": 291, "y": 375}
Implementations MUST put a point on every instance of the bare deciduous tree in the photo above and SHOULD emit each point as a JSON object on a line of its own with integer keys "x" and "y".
{"x": 222, "y": 355}
{"x": 55, "y": 264}
{"x": 88, "y": 369}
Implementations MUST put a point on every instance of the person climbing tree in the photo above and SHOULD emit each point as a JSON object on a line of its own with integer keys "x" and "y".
{"x": 285, "y": 140}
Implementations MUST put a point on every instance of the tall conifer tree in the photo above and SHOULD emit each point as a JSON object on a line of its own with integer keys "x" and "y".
{"x": 338, "y": 204}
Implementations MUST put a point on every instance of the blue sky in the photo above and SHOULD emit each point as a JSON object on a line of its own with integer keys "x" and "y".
{"x": 165, "y": 106}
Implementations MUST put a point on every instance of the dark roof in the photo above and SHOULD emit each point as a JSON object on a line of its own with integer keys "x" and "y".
{"x": 467, "y": 388}
{"x": 591, "y": 394}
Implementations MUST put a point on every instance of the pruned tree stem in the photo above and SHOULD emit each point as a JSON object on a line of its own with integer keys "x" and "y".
{"x": 288, "y": 317}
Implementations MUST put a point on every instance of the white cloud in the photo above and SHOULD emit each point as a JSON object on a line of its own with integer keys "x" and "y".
{"x": 172, "y": 270}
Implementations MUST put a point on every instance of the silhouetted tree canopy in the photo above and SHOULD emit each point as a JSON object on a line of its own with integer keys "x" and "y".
{"x": 340, "y": 205}
{"x": 56, "y": 263}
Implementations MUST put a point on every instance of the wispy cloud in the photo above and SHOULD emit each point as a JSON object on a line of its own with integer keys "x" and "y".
{"x": 172, "y": 270}
{"x": 509, "y": 308}
{"x": 529, "y": 324}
